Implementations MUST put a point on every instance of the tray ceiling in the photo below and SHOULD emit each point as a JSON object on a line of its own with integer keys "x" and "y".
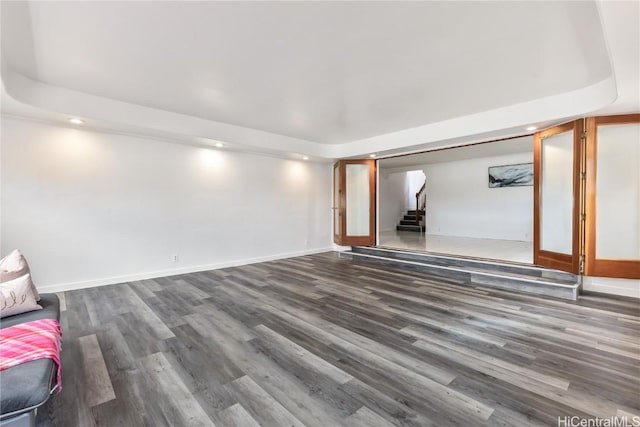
{"x": 317, "y": 73}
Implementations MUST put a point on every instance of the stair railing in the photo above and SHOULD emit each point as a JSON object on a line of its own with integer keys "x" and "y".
{"x": 421, "y": 201}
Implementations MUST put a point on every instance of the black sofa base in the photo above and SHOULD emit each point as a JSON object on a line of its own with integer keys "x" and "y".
{"x": 26, "y": 387}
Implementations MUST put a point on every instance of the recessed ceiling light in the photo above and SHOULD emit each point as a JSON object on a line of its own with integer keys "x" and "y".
{"x": 219, "y": 144}
{"x": 76, "y": 121}
{"x": 305, "y": 158}
{"x": 530, "y": 128}
{"x": 372, "y": 155}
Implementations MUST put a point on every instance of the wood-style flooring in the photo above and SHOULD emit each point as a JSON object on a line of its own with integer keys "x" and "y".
{"x": 323, "y": 341}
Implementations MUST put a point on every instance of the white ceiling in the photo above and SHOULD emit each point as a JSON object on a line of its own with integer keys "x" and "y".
{"x": 496, "y": 148}
{"x": 327, "y": 79}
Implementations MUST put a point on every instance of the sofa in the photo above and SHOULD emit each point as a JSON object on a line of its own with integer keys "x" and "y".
{"x": 26, "y": 387}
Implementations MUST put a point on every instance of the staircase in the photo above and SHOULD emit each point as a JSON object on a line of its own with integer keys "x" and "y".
{"x": 475, "y": 272}
{"x": 413, "y": 220}
{"x": 410, "y": 221}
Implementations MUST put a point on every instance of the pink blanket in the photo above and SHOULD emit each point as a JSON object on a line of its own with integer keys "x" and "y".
{"x": 39, "y": 339}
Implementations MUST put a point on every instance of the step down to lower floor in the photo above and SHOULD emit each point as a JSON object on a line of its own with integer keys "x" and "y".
{"x": 411, "y": 222}
{"x": 474, "y": 271}
{"x": 417, "y": 228}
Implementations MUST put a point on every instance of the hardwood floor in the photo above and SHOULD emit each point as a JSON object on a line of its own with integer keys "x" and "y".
{"x": 323, "y": 341}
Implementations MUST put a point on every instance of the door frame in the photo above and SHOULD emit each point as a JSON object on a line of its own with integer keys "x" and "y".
{"x": 555, "y": 260}
{"x": 600, "y": 267}
{"x": 343, "y": 239}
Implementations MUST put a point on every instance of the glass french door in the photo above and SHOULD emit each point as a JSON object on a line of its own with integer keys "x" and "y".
{"x": 613, "y": 196}
{"x": 557, "y": 161}
{"x": 354, "y": 198}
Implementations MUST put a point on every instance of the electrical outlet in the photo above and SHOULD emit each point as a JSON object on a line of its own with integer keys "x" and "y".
{"x": 175, "y": 258}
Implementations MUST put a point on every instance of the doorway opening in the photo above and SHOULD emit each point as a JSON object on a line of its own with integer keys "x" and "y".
{"x": 478, "y": 201}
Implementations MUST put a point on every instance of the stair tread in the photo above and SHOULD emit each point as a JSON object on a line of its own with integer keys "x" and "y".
{"x": 478, "y": 272}
{"x": 494, "y": 273}
{"x": 461, "y": 258}
{"x": 410, "y": 228}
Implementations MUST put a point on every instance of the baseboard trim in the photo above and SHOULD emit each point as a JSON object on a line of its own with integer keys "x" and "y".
{"x": 61, "y": 287}
{"x": 605, "y": 285}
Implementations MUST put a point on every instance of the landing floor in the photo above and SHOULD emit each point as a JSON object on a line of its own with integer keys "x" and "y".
{"x": 506, "y": 250}
{"x": 323, "y": 341}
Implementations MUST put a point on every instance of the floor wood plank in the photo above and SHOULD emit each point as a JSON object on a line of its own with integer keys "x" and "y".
{"x": 237, "y": 416}
{"x": 261, "y": 405}
{"x": 167, "y": 389}
{"x": 320, "y": 341}
{"x": 96, "y": 378}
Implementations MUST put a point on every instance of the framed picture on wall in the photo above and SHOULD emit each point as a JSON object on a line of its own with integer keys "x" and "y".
{"x": 511, "y": 175}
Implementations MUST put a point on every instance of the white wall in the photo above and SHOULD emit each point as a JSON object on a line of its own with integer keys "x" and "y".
{"x": 460, "y": 202}
{"x": 397, "y": 194}
{"x": 415, "y": 180}
{"x": 392, "y": 189}
{"x": 607, "y": 285}
{"x": 92, "y": 208}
